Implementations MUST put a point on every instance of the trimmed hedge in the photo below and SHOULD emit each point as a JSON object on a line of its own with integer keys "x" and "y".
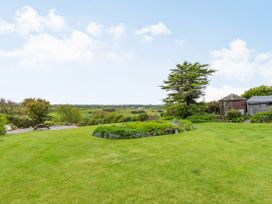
{"x": 262, "y": 117}
{"x": 142, "y": 129}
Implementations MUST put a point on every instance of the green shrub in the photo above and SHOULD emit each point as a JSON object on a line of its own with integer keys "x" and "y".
{"x": 142, "y": 129}
{"x": 185, "y": 125}
{"x": 233, "y": 115}
{"x": 262, "y": 117}
{"x": 69, "y": 114}
{"x": 142, "y": 117}
{"x": 127, "y": 119}
{"x": 213, "y": 107}
{"x": 3, "y": 122}
{"x": 137, "y": 111}
{"x": 201, "y": 118}
{"x": 50, "y": 123}
{"x": 109, "y": 109}
{"x": 20, "y": 121}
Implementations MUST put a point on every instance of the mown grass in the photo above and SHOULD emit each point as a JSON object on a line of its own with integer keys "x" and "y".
{"x": 216, "y": 163}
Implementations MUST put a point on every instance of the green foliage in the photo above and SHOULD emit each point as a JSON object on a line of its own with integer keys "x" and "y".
{"x": 258, "y": 91}
{"x": 137, "y": 111}
{"x": 213, "y": 107}
{"x": 20, "y": 121}
{"x": 36, "y": 109}
{"x": 142, "y": 117}
{"x": 109, "y": 109}
{"x": 185, "y": 84}
{"x": 235, "y": 116}
{"x": 104, "y": 117}
{"x": 141, "y": 129}
{"x": 262, "y": 117}
{"x": 202, "y": 118}
{"x": 183, "y": 111}
{"x": 183, "y": 125}
{"x": 3, "y": 122}
{"x": 8, "y": 107}
{"x": 69, "y": 114}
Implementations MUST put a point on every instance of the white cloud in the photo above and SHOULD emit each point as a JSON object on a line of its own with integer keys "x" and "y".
{"x": 241, "y": 63}
{"x": 43, "y": 48}
{"x": 216, "y": 93}
{"x": 6, "y": 27}
{"x": 148, "y": 32}
{"x": 94, "y": 29}
{"x": 117, "y": 31}
{"x": 157, "y": 29}
{"x": 28, "y": 21}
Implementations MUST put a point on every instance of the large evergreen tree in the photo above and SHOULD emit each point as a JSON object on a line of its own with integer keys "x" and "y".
{"x": 185, "y": 84}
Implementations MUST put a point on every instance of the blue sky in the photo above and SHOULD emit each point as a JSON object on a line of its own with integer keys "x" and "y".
{"x": 119, "y": 52}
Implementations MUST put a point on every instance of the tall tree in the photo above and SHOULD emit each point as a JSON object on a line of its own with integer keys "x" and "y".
{"x": 258, "y": 91}
{"x": 185, "y": 84}
{"x": 36, "y": 109}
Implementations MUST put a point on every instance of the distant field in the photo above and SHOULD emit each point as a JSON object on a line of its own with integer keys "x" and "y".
{"x": 125, "y": 110}
{"x": 216, "y": 163}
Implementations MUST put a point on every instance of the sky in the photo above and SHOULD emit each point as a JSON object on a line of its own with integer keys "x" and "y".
{"x": 119, "y": 52}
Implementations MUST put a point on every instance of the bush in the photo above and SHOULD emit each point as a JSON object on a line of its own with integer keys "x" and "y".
{"x": 213, "y": 107}
{"x": 104, "y": 117}
{"x": 3, "y": 122}
{"x": 185, "y": 125}
{"x": 141, "y": 129}
{"x": 235, "y": 116}
{"x": 109, "y": 109}
{"x": 36, "y": 109}
{"x": 20, "y": 121}
{"x": 137, "y": 111}
{"x": 184, "y": 111}
{"x": 201, "y": 118}
{"x": 127, "y": 119}
{"x": 262, "y": 117}
{"x": 142, "y": 117}
{"x": 69, "y": 114}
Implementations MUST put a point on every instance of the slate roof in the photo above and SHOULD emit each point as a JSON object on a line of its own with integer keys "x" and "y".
{"x": 233, "y": 97}
{"x": 259, "y": 99}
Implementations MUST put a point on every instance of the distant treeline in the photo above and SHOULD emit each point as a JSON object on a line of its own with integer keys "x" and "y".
{"x": 132, "y": 106}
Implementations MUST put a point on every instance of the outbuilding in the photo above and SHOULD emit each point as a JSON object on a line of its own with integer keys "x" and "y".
{"x": 231, "y": 102}
{"x": 259, "y": 104}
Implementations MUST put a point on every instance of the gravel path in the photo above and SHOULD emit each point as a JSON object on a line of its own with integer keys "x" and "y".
{"x": 31, "y": 129}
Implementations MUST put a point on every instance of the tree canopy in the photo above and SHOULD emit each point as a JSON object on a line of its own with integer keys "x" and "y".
{"x": 262, "y": 90}
{"x": 185, "y": 84}
{"x": 36, "y": 109}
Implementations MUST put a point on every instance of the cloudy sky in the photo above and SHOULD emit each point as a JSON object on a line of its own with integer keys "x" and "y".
{"x": 119, "y": 52}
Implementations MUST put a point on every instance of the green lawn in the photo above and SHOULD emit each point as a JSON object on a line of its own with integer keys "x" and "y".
{"x": 216, "y": 163}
